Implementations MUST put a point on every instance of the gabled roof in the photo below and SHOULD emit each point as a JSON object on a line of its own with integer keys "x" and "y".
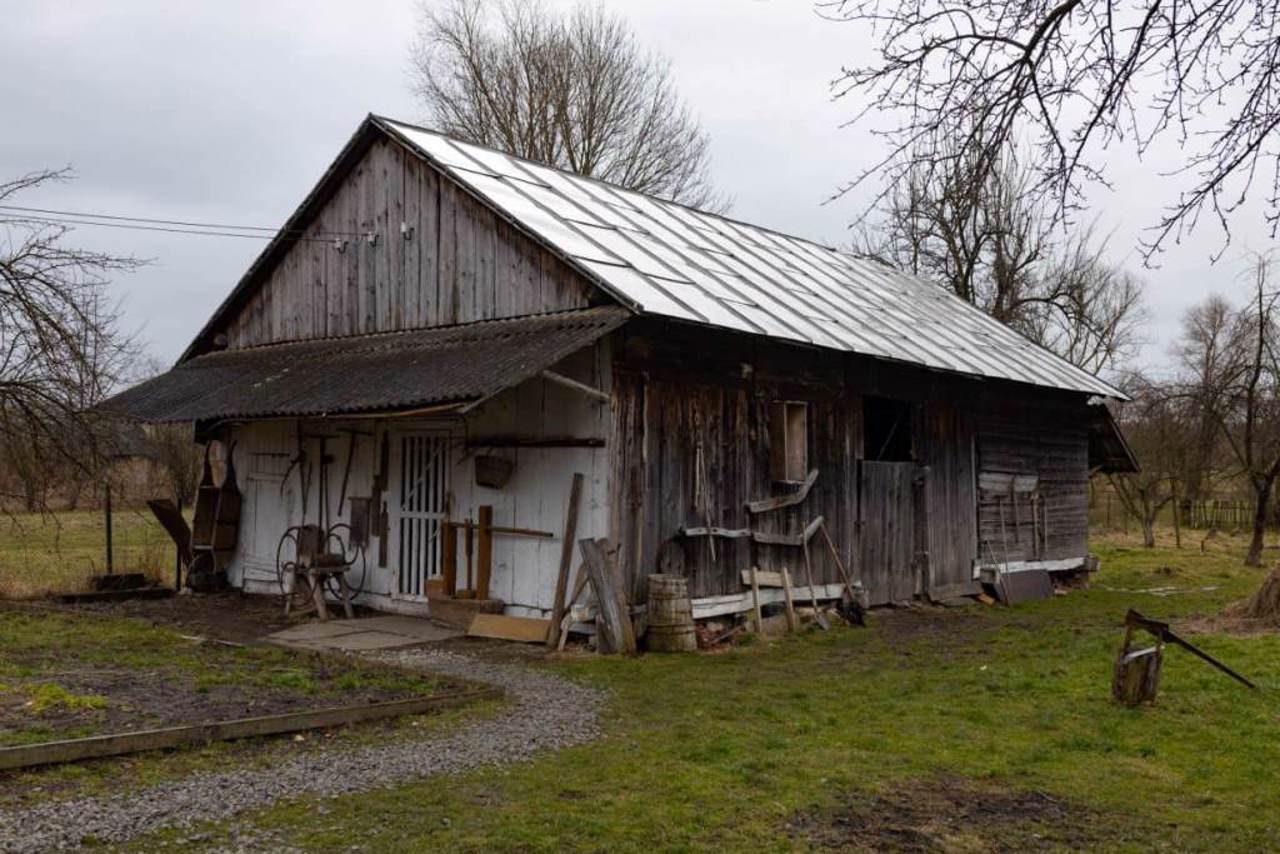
{"x": 660, "y": 258}
{"x": 334, "y": 376}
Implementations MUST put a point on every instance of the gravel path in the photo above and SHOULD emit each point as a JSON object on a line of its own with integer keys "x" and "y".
{"x": 548, "y": 713}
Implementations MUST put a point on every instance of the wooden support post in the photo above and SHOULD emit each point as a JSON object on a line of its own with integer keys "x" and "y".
{"x": 755, "y": 599}
{"x": 813, "y": 589}
{"x": 469, "y": 540}
{"x": 792, "y": 623}
{"x": 484, "y": 551}
{"x": 449, "y": 558}
{"x": 177, "y": 556}
{"x": 106, "y": 508}
{"x": 566, "y": 558}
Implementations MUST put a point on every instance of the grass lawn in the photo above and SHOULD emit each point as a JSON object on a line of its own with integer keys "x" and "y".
{"x": 58, "y": 552}
{"x": 75, "y": 675}
{"x": 967, "y": 729}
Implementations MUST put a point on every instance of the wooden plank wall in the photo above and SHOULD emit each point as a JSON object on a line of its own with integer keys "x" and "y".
{"x": 889, "y": 531}
{"x": 690, "y": 445}
{"x": 1050, "y": 441}
{"x": 945, "y": 445}
{"x": 459, "y": 263}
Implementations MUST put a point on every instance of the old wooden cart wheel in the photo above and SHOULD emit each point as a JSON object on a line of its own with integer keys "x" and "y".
{"x": 353, "y": 557}
{"x": 293, "y": 590}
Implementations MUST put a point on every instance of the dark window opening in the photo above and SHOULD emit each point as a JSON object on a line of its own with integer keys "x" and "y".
{"x": 886, "y": 430}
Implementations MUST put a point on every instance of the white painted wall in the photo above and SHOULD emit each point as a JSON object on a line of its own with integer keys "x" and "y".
{"x": 537, "y": 496}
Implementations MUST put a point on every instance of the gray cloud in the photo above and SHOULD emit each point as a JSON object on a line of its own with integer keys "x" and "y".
{"x": 229, "y": 111}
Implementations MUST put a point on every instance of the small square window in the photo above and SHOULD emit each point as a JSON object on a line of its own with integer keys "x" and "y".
{"x": 788, "y": 441}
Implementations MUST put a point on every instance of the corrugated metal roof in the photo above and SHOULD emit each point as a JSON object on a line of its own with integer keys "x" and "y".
{"x": 666, "y": 259}
{"x": 392, "y": 371}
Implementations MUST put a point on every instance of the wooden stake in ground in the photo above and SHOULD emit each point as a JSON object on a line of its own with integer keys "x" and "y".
{"x": 813, "y": 591}
{"x": 566, "y": 558}
{"x": 792, "y": 623}
{"x": 755, "y": 598}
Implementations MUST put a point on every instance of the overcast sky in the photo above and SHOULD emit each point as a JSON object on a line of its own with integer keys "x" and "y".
{"x": 229, "y": 111}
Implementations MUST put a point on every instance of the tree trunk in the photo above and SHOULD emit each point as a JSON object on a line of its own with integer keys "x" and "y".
{"x": 1149, "y": 532}
{"x": 1263, "y": 499}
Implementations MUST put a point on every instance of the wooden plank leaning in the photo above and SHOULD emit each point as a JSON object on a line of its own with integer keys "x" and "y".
{"x": 614, "y": 632}
{"x": 566, "y": 559}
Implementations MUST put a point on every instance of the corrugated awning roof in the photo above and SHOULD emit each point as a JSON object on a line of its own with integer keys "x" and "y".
{"x": 371, "y": 373}
{"x": 666, "y": 259}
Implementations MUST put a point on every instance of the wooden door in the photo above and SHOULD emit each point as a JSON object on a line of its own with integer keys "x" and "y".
{"x": 949, "y": 512}
{"x": 887, "y": 505}
{"x": 421, "y": 461}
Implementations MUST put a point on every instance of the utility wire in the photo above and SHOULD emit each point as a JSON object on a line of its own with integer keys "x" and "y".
{"x": 82, "y": 217}
{"x": 139, "y": 227}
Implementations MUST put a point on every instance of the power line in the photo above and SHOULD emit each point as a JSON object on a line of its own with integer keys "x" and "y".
{"x": 219, "y": 229}
{"x": 169, "y": 230}
{"x": 135, "y": 218}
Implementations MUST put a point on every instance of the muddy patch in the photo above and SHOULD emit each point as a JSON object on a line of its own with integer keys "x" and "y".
{"x": 948, "y": 814}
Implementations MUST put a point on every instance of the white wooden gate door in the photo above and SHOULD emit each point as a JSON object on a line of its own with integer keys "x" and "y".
{"x": 422, "y": 461}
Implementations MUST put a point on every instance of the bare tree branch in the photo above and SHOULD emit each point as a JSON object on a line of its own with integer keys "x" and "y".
{"x": 574, "y": 91}
{"x": 1072, "y": 78}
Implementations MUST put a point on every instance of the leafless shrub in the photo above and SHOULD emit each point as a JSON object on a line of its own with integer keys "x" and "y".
{"x": 61, "y": 349}
{"x": 574, "y": 91}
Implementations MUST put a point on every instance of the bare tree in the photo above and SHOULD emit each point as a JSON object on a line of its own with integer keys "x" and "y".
{"x": 1072, "y": 78}
{"x": 61, "y": 350}
{"x": 1156, "y": 426}
{"x": 575, "y": 91}
{"x": 1234, "y": 375}
{"x": 983, "y": 236}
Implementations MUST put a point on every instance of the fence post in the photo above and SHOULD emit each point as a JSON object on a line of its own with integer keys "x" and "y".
{"x": 106, "y": 506}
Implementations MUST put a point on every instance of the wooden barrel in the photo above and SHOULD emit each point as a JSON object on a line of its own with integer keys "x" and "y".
{"x": 670, "y": 615}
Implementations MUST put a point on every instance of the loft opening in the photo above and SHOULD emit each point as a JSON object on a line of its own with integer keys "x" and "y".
{"x": 886, "y": 431}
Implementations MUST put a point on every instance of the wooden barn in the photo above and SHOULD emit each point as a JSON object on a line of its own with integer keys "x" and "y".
{"x": 442, "y": 336}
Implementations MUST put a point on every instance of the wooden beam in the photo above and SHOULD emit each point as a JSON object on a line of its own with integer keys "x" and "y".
{"x": 502, "y": 627}
{"x": 730, "y": 603}
{"x": 530, "y": 442}
{"x": 569, "y": 382}
{"x": 74, "y": 750}
{"x": 615, "y": 632}
{"x": 755, "y": 598}
{"x": 484, "y": 550}
{"x": 744, "y": 533}
{"x": 777, "y": 502}
{"x": 566, "y": 558}
{"x": 449, "y": 558}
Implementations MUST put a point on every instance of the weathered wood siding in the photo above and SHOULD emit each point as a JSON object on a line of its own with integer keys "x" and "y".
{"x": 524, "y": 568}
{"x": 945, "y": 446}
{"x": 690, "y": 446}
{"x": 889, "y": 531}
{"x": 1046, "y": 442}
{"x": 457, "y": 263}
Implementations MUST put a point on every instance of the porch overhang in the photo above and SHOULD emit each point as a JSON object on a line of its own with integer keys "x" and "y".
{"x": 1109, "y": 451}
{"x": 419, "y": 372}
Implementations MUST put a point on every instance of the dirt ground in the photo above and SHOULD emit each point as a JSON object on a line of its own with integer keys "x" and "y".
{"x": 948, "y": 814}
{"x": 74, "y": 671}
{"x": 229, "y": 615}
